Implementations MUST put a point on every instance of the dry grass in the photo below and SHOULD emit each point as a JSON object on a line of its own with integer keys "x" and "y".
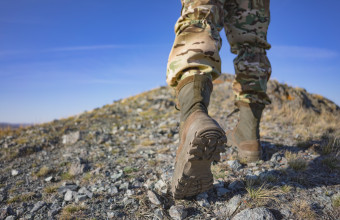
{"x": 295, "y": 162}
{"x": 306, "y": 122}
{"x": 72, "y": 212}
{"x": 302, "y": 210}
{"x": 331, "y": 146}
{"x": 336, "y": 201}
{"x": 51, "y": 189}
{"x": 286, "y": 188}
{"x": 21, "y": 198}
{"x": 44, "y": 171}
{"x": 67, "y": 176}
{"x": 260, "y": 195}
{"x": 218, "y": 171}
{"x": 331, "y": 162}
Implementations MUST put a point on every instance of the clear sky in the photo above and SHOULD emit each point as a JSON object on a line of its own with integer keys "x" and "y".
{"x": 59, "y": 57}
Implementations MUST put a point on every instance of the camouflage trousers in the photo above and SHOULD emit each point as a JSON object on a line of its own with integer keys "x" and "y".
{"x": 197, "y": 44}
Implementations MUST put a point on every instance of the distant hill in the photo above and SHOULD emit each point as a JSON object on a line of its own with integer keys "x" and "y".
{"x": 13, "y": 126}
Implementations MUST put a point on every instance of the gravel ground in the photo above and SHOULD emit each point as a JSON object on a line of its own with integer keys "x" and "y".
{"x": 116, "y": 162}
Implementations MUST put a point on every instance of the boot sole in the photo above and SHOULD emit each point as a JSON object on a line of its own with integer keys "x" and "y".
{"x": 195, "y": 160}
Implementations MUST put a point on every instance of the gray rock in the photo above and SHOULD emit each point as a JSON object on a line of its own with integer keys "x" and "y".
{"x": 78, "y": 168}
{"x": 161, "y": 186}
{"x": 222, "y": 191}
{"x": 116, "y": 176}
{"x": 167, "y": 175}
{"x": 54, "y": 209}
{"x": 112, "y": 215}
{"x": 178, "y": 212}
{"x": 80, "y": 197}
{"x": 68, "y": 195}
{"x": 7, "y": 210}
{"x": 113, "y": 190}
{"x": 14, "y": 172}
{"x": 158, "y": 215}
{"x": 286, "y": 213}
{"x": 49, "y": 179}
{"x": 254, "y": 214}
{"x": 129, "y": 192}
{"x": 124, "y": 186}
{"x": 234, "y": 165}
{"x": 236, "y": 185}
{"x": 202, "y": 199}
{"x": 11, "y": 217}
{"x": 71, "y": 138}
{"x": 86, "y": 192}
{"x": 233, "y": 205}
{"x": 66, "y": 187}
{"x": 38, "y": 206}
{"x": 153, "y": 197}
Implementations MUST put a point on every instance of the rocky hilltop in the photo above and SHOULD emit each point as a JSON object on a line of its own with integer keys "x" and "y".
{"x": 116, "y": 162}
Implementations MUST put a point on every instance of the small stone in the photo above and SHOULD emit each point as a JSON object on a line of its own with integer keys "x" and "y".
{"x": 177, "y": 212}
{"x": 234, "y": 165}
{"x": 14, "y": 172}
{"x": 202, "y": 199}
{"x": 124, "y": 186}
{"x": 161, "y": 186}
{"x": 38, "y": 206}
{"x": 86, "y": 192}
{"x": 68, "y": 195}
{"x": 255, "y": 214}
{"x": 111, "y": 214}
{"x": 233, "y": 204}
{"x": 153, "y": 197}
{"x": 11, "y": 217}
{"x": 167, "y": 175}
{"x": 236, "y": 185}
{"x": 80, "y": 198}
{"x": 78, "y": 168}
{"x": 66, "y": 187}
{"x": 222, "y": 191}
{"x": 129, "y": 192}
{"x": 286, "y": 213}
{"x": 113, "y": 190}
{"x": 71, "y": 138}
{"x": 55, "y": 208}
{"x": 49, "y": 179}
{"x": 158, "y": 215}
{"x": 116, "y": 176}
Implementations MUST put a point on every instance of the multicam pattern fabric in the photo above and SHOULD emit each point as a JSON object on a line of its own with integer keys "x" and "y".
{"x": 197, "y": 44}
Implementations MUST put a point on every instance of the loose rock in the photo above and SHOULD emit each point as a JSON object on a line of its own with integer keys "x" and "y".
{"x": 178, "y": 212}
{"x": 254, "y": 214}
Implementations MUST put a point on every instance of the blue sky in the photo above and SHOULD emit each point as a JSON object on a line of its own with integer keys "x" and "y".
{"x": 59, "y": 58}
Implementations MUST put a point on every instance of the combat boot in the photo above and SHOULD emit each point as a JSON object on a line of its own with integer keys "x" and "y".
{"x": 201, "y": 138}
{"x": 245, "y": 138}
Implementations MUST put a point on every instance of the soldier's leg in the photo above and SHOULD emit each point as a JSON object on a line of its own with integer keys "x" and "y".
{"x": 197, "y": 43}
{"x": 246, "y": 26}
{"x": 193, "y": 63}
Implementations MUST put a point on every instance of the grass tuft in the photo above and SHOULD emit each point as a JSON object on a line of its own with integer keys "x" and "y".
{"x": 71, "y": 211}
{"x": 336, "y": 201}
{"x": 303, "y": 210}
{"x": 44, "y": 171}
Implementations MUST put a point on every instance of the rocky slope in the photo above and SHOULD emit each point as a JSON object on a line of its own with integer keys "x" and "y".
{"x": 115, "y": 162}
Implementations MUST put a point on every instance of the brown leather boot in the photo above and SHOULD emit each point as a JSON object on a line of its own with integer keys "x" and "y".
{"x": 245, "y": 138}
{"x": 201, "y": 138}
